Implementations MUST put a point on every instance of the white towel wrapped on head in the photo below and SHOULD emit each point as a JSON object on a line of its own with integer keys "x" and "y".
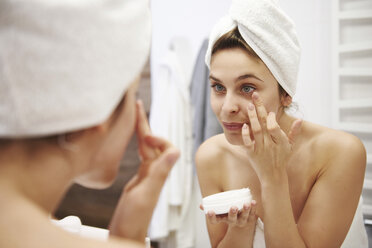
{"x": 269, "y": 32}
{"x": 65, "y": 65}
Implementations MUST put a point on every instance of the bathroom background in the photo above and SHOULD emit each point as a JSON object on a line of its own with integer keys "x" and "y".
{"x": 334, "y": 89}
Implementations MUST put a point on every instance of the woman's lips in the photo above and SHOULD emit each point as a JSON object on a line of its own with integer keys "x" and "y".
{"x": 232, "y": 126}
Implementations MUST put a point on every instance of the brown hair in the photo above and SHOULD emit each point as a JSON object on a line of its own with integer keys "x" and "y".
{"x": 233, "y": 39}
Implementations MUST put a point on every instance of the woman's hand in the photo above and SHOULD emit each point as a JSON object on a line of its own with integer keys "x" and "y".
{"x": 241, "y": 226}
{"x": 245, "y": 218}
{"x": 138, "y": 200}
{"x": 268, "y": 147}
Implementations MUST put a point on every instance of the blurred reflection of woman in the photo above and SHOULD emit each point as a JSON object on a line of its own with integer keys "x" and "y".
{"x": 306, "y": 180}
{"x": 69, "y": 72}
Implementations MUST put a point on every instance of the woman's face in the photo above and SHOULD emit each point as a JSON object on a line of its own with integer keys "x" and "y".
{"x": 234, "y": 76}
{"x": 113, "y": 142}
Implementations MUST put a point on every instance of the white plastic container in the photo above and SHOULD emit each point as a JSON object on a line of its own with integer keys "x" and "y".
{"x": 221, "y": 203}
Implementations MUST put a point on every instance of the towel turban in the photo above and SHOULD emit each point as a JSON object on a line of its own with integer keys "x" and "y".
{"x": 66, "y": 64}
{"x": 269, "y": 32}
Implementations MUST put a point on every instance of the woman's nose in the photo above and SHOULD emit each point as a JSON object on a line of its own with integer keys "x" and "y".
{"x": 230, "y": 104}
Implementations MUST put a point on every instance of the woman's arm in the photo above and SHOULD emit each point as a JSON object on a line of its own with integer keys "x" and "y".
{"x": 330, "y": 207}
{"x": 133, "y": 213}
{"x": 235, "y": 229}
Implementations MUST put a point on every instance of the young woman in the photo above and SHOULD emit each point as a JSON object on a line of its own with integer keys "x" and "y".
{"x": 305, "y": 179}
{"x": 68, "y": 82}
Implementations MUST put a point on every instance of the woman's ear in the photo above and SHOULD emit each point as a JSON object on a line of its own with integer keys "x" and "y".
{"x": 286, "y": 100}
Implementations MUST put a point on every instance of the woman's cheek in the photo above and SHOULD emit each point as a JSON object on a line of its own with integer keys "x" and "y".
{"x": 215, "y": 104}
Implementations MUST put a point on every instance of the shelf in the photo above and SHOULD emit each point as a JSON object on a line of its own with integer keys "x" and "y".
{"x": 355, "y": 47}
{"x": 355, "y": 14}
{"x": 355, "y": 127}
{"x": 367, "y": 209}
{"x": 355, "y": 72}
{"x": 367, "y": 222}
{"x": 367, "y": 184}
{"x": 352, "y": 104}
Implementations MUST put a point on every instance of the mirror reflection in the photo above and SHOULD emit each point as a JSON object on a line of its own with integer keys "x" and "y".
{"x": 136, "y": 123}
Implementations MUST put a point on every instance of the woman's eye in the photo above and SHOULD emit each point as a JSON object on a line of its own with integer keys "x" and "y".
{"x": 218, "y": 87}
{"x": 247, "y": 89}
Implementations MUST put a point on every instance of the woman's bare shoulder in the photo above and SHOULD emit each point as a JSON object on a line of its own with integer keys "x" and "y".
{"x": 330, "y": 144}
{"x": 211, "y": 151}
{"x": 24, "y": 224}
{"x": 209, "y": 160}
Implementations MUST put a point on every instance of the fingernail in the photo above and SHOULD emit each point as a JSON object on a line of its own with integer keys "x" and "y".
{"x": 245, "y": 126}
{"x": 255, "y": 95}
{"x": 250, "y": 106}
{"x": 173, "y": 156}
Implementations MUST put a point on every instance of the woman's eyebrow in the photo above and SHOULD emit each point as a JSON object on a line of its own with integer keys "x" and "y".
{"x": 248, "y": 76}
{"x": 214, "y": 78}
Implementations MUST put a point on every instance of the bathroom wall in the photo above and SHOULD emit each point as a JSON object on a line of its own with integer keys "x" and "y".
{"x": 194, "y": 19}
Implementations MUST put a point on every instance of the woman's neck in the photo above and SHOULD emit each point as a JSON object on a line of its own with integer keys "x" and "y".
{"x": 41, "y": 177}
{"x": 285, "y": 121}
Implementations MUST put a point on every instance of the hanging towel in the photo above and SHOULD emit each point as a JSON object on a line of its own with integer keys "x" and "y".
{"x": 170, "y": 117}
{"x": 205, "y": 123}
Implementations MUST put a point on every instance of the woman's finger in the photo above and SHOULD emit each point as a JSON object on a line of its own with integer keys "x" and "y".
{"x": 247, "y": 138}
{"x": 131, "y": 183}
{"x": 261, "y": 110}
{"x": 273, "y": 128}
{"x": 262, "y": 116}
{"x": 295, "y": 130}
{"x": 142, "y": 123}
{"x": 233, "y": 215}
{"x": 211, "y": 217}
{"x": 157, "y": 171}
{"x": 252, "y": 218}
{"x": 157, "y": 142}
{"x": 243, "y": 217}
{"x": 255, "y": 125}
{"x": 143, "y": 130}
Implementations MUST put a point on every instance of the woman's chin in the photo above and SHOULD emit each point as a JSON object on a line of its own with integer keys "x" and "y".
{"x": 98, "y": 179}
